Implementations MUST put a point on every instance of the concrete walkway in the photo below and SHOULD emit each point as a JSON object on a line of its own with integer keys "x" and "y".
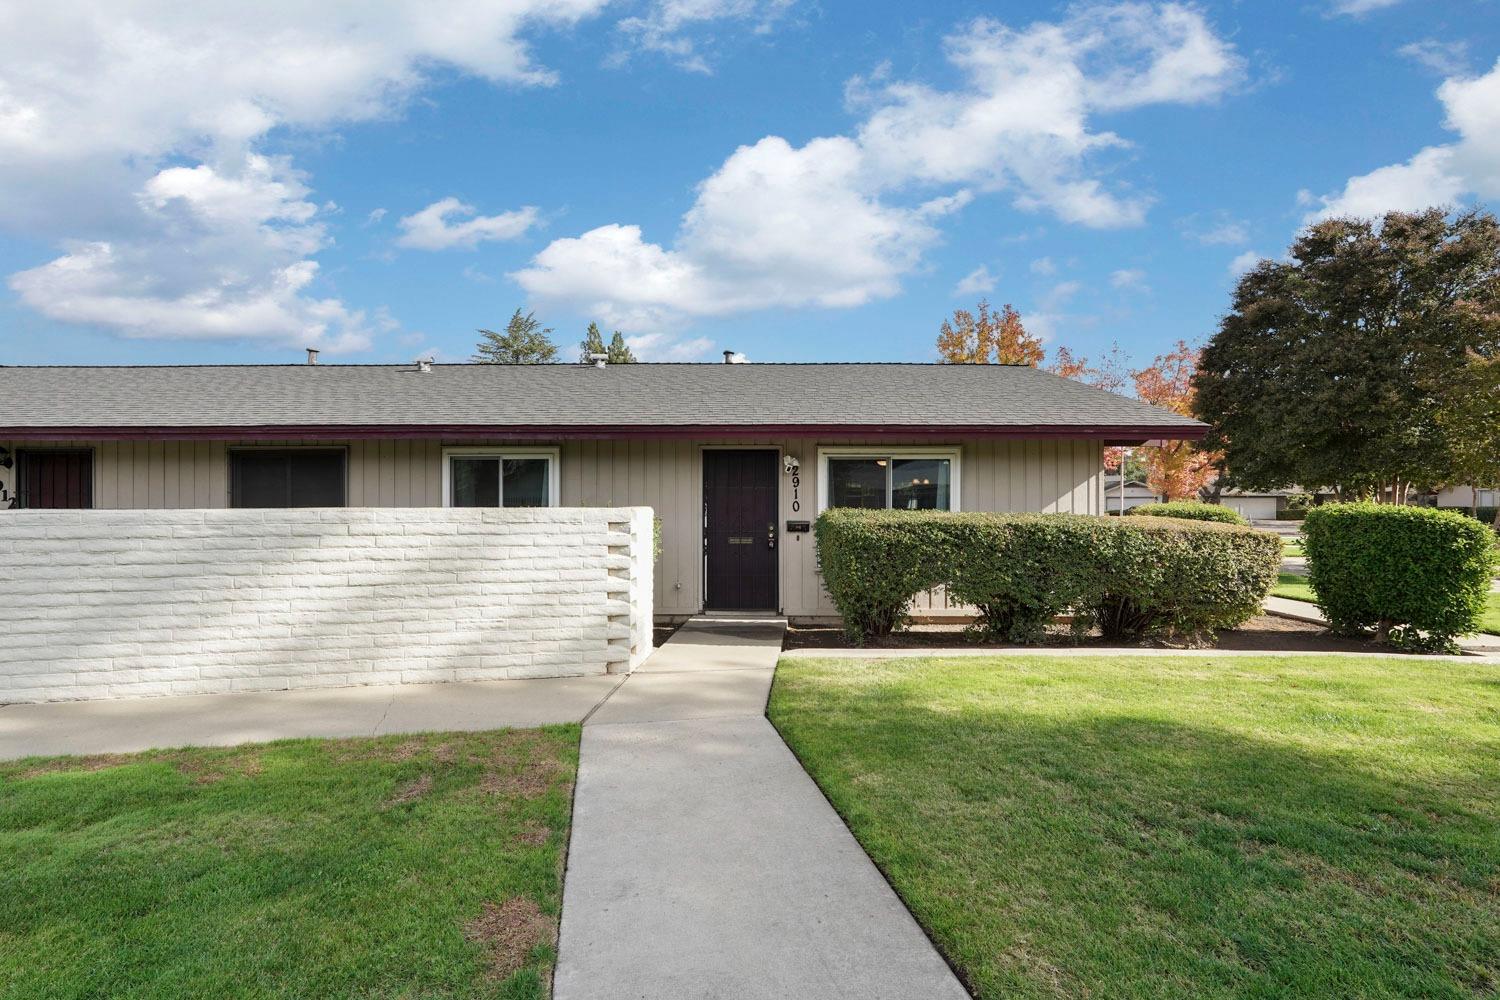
{"x": 1478, "y": 644}
{"x": 126, "y": 725}
{"x": 704, "y": 862}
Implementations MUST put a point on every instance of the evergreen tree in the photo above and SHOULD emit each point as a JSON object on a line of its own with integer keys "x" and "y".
{"x": 593, "y": 343}
{"x": 524, "y": 342}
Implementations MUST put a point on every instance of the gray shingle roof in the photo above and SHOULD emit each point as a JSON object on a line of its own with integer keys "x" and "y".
{"x": 620, "y": 396}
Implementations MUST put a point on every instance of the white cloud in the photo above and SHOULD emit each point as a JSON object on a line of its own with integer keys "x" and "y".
{"x": 1443, "y": 58}
{"x": 437, "y": 227}
{"x": 1435, "y": 175}
{"x": 1244, "y": 263}
{"x": 1358, "y": 8}
{"x": 1044, "y": 266}
{"x": 775, "y": 226}
{"x": 665, "y": 347}
{"x": 836, "y": 222}
{"x": 225, "y": 257}
{"x": 128, "y": 124}
{"x": 1059, "y": 294}
{"x": 375, "y": 216}
{"x": 1220, "y": 229}
{"x": 976, "y": 282}
{"x": 1131, "y": 279}
{"x": 1021, "y": 121}
{"x": 666, "y": 28}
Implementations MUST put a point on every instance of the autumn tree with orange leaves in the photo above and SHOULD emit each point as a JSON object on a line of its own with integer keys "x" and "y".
{"x": 1176, "y": 470}
{"x": 988, "y": 338}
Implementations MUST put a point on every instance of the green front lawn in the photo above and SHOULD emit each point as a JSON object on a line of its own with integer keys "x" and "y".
{"x": 1297, "y": 588}
{"x": 1293, "y": 585}
{"x": 1174, "y": 827}
{"x": 418, "y": 867}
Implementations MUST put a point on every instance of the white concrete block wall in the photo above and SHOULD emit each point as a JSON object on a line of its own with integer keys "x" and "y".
{"x": 112, "y": 604}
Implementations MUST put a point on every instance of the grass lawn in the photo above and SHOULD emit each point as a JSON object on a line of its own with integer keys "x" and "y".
{"x": 1174, "y": 827}
{"x": 1296, "y": 587}
{"x": 414, "y": 867}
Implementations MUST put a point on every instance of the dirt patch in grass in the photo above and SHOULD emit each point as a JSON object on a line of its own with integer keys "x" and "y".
{"x": 508, "y": 932}
{"x": 533, "y": 834}
{"x": 529, "y": 781}
{"x": 410, "y": 792}
{"x": 89, "y": 763}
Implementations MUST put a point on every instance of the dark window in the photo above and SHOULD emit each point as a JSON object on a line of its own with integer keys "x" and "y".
{"x": 899, "y": 483}
{"x": 292, "y": 478}
{"x": 525, "y": 482}
{"x": 476, "y": 482}
{"x": 495, "y": 481}
{"x": 55, "y": 480}
{"x": 856, "y": 482}
{"x": 919, "y": 484}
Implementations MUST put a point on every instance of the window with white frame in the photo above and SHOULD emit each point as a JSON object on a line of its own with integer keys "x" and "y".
{"x": 906, "y": 479}
{"x": 493, "y": 477}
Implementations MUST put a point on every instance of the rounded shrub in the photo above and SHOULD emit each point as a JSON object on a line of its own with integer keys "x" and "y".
{"x": 1190, "y": 510}
{"x": 875, "y": 562}
{"x": 1418, "y": 577}
{"x": 1131, "y": 578}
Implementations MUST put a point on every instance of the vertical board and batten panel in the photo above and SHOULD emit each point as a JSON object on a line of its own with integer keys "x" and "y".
{"x": 662, "y": 473}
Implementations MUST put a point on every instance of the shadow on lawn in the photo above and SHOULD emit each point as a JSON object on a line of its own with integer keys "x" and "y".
{"x": 1119, "y": 856}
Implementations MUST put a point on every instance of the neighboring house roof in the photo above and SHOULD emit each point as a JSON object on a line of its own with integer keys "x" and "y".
{"x": 552, "y": 401}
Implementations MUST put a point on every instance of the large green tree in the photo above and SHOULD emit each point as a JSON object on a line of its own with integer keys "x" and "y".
{"x": 593, "y": 343}
{"x": 1344, "y": 365}
{"x": 524, "y": 342}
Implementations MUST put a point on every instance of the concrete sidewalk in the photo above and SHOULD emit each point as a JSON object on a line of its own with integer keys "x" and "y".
{"x": 704, "y": 862}
{"x": 1478, "y": 644}
{"x": 126, "y": 725}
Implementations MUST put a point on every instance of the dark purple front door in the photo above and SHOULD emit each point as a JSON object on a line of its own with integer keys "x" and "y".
{"x": 739, "y": 530}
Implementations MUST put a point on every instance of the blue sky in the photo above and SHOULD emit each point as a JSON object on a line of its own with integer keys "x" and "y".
{"x": 790, "y": 180}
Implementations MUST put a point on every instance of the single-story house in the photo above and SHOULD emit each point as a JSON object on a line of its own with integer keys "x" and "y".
{"x": 1467, "y": 496}
{"x": 736, "y": 460}
{"x": 1134, "y": 493}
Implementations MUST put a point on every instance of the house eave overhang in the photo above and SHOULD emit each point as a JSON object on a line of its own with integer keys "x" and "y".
{"x": 1109, "y": 434}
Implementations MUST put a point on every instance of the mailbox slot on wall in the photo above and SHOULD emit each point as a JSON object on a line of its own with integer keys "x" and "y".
{"x": 798, "y": 527}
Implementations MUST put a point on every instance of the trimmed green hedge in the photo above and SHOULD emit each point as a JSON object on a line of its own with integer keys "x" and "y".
{"x": 1417, "y": 576}
{"x": 1192, "y": 511}
{"x": 1485, "y": 514}
{"x": 1130, "y": 577}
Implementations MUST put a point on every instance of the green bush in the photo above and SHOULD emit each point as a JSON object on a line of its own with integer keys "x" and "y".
{"x": 875, "y": 562}
{"x": 1485, "y": 514}
{"x": 1190, "y": 510}
{"x": 1417, "y": 576}
{"x": 1130, "y": 577}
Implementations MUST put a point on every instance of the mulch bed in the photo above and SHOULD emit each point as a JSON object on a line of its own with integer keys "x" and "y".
{"x": 1267, "y": 633}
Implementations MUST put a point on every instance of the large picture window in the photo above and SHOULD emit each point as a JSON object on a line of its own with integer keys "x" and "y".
{"x": 918, "y": 480}
{"x": 486, "y": 478}
{"x": 291, "y": 477}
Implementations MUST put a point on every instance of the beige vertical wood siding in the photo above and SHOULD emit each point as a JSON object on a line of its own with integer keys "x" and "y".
{"x": 664, "y": 474}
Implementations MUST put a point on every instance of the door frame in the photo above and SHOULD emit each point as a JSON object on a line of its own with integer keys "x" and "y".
{"x": 702, "y": 533}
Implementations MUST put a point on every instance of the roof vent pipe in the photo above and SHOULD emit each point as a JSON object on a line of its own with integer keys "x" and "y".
{"x": 312, "y": 355}
{"x": 599, "y": 360}
{"x": 729, "y": 357}
{"x": 424, "y": 365}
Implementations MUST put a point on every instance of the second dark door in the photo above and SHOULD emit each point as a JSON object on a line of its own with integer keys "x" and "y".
{"x": 739, "y": 530}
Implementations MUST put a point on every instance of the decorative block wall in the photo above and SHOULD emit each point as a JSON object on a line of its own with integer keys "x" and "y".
{"x": 112, "y": 604}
